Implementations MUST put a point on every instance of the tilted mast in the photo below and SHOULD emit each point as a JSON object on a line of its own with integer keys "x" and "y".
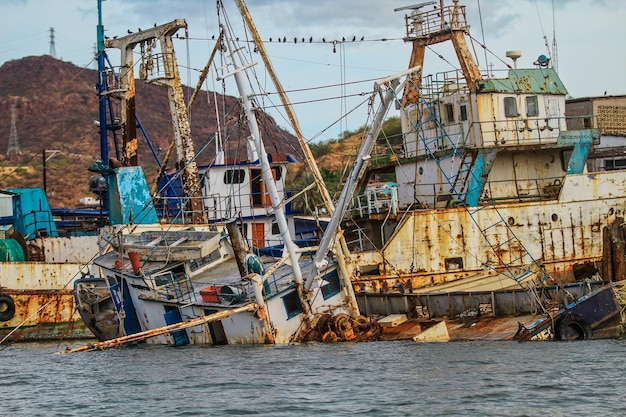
{"x": 362, "y": 159}
{"x": 266, "y": 170}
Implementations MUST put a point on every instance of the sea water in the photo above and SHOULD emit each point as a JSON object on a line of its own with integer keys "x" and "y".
{"x": 405, "y": 378}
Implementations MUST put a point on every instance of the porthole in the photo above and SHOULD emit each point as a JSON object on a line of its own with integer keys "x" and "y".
{"x": 420, "y": 170}
{"x": 555, "y": 217}
{"x": 511, "y": 221}
{"x": 611, "y": 211}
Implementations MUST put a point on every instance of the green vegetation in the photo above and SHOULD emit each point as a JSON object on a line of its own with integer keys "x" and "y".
{"x": 391, "y": 133}
{"x": 390, "y": 137}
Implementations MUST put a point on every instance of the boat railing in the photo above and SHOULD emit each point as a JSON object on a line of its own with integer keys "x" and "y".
{"x": 114, "y": 84}
{"x": 375, "y": 200}
{"x": 436, "y": 138}
{"x": 497, "y": 191}
{"x": 421, "y": 24}
{"x": 580, "y": 122}
{"x": 156, "y": 66}
{"x": 493, "y": 133}
{"x": 434, "y": 86}
{"x": 520, "y": 131}
{"x": 215, "y": 207}
{"x": 172, "y": 286}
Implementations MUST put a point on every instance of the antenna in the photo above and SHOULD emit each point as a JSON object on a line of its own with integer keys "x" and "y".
{"x": 415, "y": 6}
{"x": 53, "y": 51}
{"x": 14, "y": 144}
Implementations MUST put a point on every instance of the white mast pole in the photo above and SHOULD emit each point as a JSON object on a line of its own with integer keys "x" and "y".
{"x": 266, "y": 171}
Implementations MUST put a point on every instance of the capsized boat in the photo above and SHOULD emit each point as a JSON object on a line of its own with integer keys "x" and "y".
{"x": 487, "y": 191}
{"x": 175, "y": 297}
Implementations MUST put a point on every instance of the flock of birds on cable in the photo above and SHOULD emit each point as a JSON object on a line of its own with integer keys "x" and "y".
{"x": 284, "y": 38}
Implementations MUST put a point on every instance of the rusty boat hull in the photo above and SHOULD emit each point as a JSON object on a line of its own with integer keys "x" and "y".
{"x": 36, "y": 297}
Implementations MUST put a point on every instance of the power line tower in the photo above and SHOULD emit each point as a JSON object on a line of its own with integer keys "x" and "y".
{"x": 14, "y": 144}
{"x": 53, "y": 51}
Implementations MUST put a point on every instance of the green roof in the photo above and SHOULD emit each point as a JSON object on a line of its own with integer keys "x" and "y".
{"x": 525, "y": 81}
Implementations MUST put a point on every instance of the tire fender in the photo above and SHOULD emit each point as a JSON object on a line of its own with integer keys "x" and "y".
{"x": 7, "y": 307}
{"x": 572, "y": 326}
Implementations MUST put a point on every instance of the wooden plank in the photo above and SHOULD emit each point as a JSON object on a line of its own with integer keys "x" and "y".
{"x": 141, "y": 336}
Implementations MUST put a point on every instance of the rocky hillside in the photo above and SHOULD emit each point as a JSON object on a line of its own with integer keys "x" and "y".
{"x": 55, "y": 108}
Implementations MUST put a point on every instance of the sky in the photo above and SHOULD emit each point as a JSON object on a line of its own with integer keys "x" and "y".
{"x": 590, "y": 55}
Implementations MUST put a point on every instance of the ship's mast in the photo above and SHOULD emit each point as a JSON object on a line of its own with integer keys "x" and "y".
{"x": 102, "y": 88}
{"x": 160, "y": 69}
{"x": 342, "y": 253}
{"x": 425, "y": 28}
{"x": 266, "y": 170}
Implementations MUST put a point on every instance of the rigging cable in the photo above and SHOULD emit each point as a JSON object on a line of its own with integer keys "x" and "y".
{"x": 482, "y": 31}
{"x": 543, "y": 32}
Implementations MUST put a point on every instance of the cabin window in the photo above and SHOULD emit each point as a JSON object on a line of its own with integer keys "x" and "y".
{"x": 565, "y": 157}
{"x": 587, "y": 122}
{"x": 260, "y": 195}
{"x": 463, "y": 113}
{"x": 278, "y": 173}
{"x": 292, "y": 304}
{"x": 510, "y": 107}
{"x": 454, "y": 263}
{"x": 612, "y": 164}
{"x": 449, "y": 108}
{"x": 234, "y": 176}
{"x": 532, "y": 106}
{"x": 275, "y": 228}
{"x": 332, "y": 286}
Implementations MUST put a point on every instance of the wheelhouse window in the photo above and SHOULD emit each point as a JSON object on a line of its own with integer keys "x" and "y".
{"x": 532, "y": 106}
{"x": 510, "y": 107}
{"x": 463, "y": 113}
{"x": 332, "y": 285}
{"x": 292, "y": 304}
{"x": 234, "y": 176}
{"x": 449, "y": 109}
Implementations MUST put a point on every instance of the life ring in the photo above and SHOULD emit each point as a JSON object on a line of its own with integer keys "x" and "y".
{"x": 7, "y": 307}
{"x": 572, "y": 327}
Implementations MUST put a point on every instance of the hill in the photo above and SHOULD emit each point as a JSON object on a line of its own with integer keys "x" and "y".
{"x": 56, "y": 105}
